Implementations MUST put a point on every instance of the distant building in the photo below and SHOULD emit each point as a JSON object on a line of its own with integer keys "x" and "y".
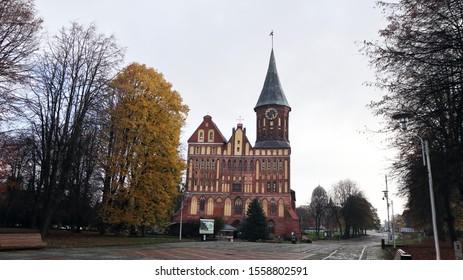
{"x": 224, "y": 176}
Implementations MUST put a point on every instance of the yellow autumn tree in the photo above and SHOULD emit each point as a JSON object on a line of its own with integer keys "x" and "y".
{"x": 143, "y": 165}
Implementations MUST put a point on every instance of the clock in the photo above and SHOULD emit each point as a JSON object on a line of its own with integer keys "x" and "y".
{"x": 271, "y": 113}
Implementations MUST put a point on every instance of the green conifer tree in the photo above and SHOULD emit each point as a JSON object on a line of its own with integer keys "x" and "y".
{"x": 255, "y": 223}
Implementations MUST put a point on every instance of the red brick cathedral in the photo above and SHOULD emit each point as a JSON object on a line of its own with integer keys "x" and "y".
{"x": 224, "y": 176}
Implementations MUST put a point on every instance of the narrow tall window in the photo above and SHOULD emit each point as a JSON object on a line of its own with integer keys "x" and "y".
{"x": 238, "y": 209}
{"x": 202, "y": 204}
{"x": 273, "y": 207}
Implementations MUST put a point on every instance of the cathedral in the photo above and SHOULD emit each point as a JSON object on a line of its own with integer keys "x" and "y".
{"x": 224, "y": 176}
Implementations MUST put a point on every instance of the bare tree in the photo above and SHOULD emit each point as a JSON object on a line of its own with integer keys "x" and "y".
{"x": 418, "y": 64}
{"x": 318, "y": 207}
{"x": 72, "y": 77}
{"x": 19, "y": 39}
{"x": 340, "y": 193}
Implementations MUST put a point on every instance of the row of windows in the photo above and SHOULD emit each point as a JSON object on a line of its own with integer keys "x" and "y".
{"x": 236, "y": 187}
{"x": 272, "y": 208}
{"x": 198, "y": 150}
{"x": 266, "y": 165}
{"x": 210, "y": 137}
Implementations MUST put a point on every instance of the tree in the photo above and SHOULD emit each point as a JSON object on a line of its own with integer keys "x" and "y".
{"x": 19, "y": 39}
{"x": 143, "y": 165}
{"x": 318, "y": 207}
{"x": 71, "y": 80}
{"x": 255, "y": 223}
{"x": 219, "y": 224}
{"x": 419, "y": 65}
{"x": 341, "y": 191}
{"x": 358, "y": 214}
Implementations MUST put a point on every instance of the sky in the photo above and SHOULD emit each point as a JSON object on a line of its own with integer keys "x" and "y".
{"x": 216, "y": 54}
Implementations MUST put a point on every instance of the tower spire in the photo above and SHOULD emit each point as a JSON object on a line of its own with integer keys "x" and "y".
{"x": 271, "y": 34}
{"x": 272, "y": 92}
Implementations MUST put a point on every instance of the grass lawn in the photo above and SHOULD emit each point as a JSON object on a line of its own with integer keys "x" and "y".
{"x": 64, "y": 238}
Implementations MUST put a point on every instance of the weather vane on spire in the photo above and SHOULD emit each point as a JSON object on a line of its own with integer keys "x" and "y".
{"x": 271, "y": 34}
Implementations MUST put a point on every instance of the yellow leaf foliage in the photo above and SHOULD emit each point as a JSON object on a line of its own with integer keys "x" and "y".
{"x": 144, "y": 161}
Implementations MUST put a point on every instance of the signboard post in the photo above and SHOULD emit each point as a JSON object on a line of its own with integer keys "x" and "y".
{"x": 458, "y": 253}
{"x": 206, "y": 226}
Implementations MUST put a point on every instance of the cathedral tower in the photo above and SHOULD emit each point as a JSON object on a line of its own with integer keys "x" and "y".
{"x": 272, "y": 112}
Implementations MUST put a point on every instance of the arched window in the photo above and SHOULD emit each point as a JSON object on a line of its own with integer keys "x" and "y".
{"x": 273, "y": 207}
{"x": 211, "y": 135}
{"x": 281, "y": 208}
{"x": 202, "y": 204}
{"x": 274, "y": 186}
{"x": 265, "y": 206}
{"x": 269, "y": 187}
{"x": 227, "y": 207}
{"x": 210, "y": 206}
{"x": 194, "y": 206}
{"x": 271, "y": 226}
{"x": 238, "y": 208}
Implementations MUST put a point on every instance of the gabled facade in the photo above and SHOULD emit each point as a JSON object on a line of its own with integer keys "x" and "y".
{"x": 224, "y": 176}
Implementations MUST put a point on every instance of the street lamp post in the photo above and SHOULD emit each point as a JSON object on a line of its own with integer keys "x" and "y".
{"x": 181, "y": 188}
{"x": 387, "y": 203}
{"x": 393, "y": 229}
{"x": 403, "y": 119}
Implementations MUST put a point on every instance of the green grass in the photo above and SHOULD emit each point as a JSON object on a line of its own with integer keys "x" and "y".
{"x": 63, "y": 238}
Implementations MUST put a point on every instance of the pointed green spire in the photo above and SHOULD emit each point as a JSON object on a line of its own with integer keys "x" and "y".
{"x": 272, "y": 92}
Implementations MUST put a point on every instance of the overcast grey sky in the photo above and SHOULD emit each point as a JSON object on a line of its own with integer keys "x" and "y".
{"x": 216, "y": 54}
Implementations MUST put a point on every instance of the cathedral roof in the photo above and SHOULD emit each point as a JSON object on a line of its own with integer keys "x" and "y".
{"x": 206, "y": 126}
{"x": 272, "y": 92}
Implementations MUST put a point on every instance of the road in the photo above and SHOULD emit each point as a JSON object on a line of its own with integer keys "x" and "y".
{"x": 363, "y": 248}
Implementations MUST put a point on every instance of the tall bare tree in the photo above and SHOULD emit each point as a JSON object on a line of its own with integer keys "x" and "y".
{"x": 72, "y": 76}
{"x": 419, "y": 65}
{"x": 19, "y": 27}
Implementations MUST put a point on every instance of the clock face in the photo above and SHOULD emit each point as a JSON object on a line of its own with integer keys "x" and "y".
{"x": 271, "y": 113}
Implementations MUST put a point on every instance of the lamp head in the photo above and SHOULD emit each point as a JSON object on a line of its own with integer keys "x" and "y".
{"x": 403, "y": 118}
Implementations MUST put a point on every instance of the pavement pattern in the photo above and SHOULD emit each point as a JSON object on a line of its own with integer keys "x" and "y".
{"x": 219, "y": 250}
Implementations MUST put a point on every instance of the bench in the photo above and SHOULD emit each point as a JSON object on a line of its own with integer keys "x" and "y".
{"x": 402, "y": 255}
{"x": 15, "y": 241}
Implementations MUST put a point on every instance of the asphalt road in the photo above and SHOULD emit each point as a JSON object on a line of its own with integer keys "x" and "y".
{"x": 364, "y": 248}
